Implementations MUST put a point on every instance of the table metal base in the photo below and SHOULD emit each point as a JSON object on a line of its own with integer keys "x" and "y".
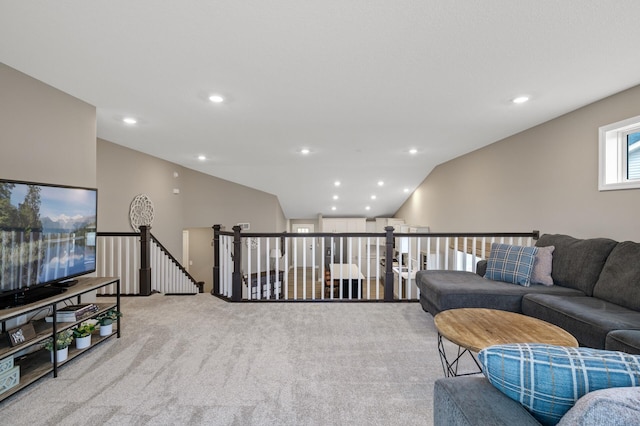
{"x": 450, "y": 368}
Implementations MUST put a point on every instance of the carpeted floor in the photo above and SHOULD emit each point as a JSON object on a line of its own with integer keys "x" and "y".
{"x": 192, "y": 360}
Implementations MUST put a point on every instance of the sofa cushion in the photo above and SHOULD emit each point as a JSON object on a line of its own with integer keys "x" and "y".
{"x": 442, "y": 290}
{"x": 619, "y": 280}
{"x": 623, "y": 340}
{"x": 512, "y": 264}
{"x": 542, "y": 266}
{"x": 548, "y": 380}
{"x": 616, "y": 406}
{"x": 588, "y": 319}
{"x": 577, "y": 263}
{"x": 465, "y": 401}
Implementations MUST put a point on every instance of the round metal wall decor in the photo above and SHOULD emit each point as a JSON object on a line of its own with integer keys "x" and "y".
{"x": 141, "y": 212}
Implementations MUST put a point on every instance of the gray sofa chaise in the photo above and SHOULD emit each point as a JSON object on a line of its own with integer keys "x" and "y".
{"x": 595, "y": 297}
{"x": 596, "y": 291}
{"x": 466, "y": 401}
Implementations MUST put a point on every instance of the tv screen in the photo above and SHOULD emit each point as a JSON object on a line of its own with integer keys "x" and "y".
{"x": 47, "y": 234}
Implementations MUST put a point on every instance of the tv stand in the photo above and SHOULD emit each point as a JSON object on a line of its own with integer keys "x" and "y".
{"x": 27, "y": 361}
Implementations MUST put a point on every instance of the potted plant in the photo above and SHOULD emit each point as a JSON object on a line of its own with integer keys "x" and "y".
{"x": 82, "y": 333}
{"x": 63, "y": 340}
{"x": 106, "y": 320}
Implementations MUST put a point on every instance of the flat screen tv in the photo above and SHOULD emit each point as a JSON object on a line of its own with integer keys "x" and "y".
{"x": 47, "y": 236}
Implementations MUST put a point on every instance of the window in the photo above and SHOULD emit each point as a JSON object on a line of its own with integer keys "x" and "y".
{"x": 620, "y": 155}
{"x": 633, "y": 155}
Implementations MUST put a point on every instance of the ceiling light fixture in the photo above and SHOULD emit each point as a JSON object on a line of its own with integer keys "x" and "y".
{"x": 336, "y": 183}
{"x": 368, "y": 208}
{"x": 130, "y": 120}
{"x": 304, "y": 151}
{"x": 373, "y": 197}
{"x": 406, "y": 190}
{"x": 413, "y": 151}
{"x": 380, "y": 183}
{"x": 216, "y": 99}
{"x": 202, "y": 157}
{"x": 335, "y": 197}
{"x": 333, "y": 208}
{"x": 520, "y": 99}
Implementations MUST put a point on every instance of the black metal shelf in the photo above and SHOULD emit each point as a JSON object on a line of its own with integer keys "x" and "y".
{"x": 34, "y": 362}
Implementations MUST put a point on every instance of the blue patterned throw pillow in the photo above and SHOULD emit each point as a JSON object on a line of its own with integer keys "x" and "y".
{"x": 512, "y": 264}
{"x": 548, "y": 380}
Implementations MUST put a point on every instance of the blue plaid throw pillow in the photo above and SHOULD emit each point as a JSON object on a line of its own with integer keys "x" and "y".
{"x": 512, "y": 264}
{"x": 548, "y": 380}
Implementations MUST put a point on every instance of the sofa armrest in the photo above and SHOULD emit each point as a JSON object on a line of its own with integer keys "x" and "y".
{"x": 481, "y": 267}
{"x": 472, "y": 400}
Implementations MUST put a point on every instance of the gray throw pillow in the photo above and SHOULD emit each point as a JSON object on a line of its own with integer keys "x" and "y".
{"x": 619, "y": 406}
{"x": 542, "y": 265}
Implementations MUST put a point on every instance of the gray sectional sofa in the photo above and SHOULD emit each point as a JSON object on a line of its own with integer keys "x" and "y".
{"x": 595, "y": 297}
{"x": 596, "y": 291}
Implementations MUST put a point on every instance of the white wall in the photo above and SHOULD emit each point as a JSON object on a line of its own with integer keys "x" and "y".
{"x": 45, "y": 135}
{"x": 203, "y": 200}
{"x": 545, "y": 178}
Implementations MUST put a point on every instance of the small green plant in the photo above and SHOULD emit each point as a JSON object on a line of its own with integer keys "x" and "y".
{"x": 83, "y": 330}
{"x": 63, "y": 340}
{"x": 108, "y": 317}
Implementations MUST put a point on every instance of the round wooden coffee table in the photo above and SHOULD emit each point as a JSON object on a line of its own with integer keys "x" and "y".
{"x": 474, "y": 329}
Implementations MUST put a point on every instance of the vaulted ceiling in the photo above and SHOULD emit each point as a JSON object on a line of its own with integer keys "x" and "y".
{"x": 357, "y": 83}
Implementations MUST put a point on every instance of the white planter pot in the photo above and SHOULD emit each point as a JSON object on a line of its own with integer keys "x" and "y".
{"x": 61, "y": 354}
{"x": 106, "y": 330}
{"x": 83, "y": 342}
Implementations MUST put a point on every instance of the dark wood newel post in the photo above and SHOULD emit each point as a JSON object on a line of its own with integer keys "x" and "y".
{"x": 236, "y": 281}
{"x": 216, "y": 259}
{"x": 388, "y": 265}
{"x": 145, "y": 260}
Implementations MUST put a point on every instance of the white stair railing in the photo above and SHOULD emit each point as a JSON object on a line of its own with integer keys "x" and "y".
{"x": 119, "y": 255}
{"x": 167, "y": 276}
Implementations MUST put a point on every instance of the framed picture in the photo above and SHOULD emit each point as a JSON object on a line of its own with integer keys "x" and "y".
{"x": 21, "y": 334}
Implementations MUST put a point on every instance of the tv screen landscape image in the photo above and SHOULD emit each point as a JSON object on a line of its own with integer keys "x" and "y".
{"x": 47, "y": 234}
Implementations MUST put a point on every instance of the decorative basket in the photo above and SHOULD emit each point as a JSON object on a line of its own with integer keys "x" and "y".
{"x": 9, "y": 379}
{"x": 6, "y": 364}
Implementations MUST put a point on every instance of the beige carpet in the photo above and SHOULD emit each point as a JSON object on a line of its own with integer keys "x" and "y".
{"x": 191, "y": 360}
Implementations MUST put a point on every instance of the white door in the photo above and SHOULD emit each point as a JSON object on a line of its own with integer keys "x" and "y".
{"x": 304, "y": 251}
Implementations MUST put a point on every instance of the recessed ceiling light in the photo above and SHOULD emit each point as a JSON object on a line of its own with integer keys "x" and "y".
{"x": 413, "y": 151}
{"x": 520, "y": 99}
{"x": 216, "y": 99}
{"x": 406, "y": 190}
{"x": 380, "y": 183}
{"x": 335, "y": 197}
{"x": 304, "y": 151}
{"x": 368, "y": 208}
{"x": 373, "y": 197}
{"x": 130, "y": 120}
{"x": 336, "y": 183}
{"x": 202, "y": 157}
{"x": 333, "y": 208}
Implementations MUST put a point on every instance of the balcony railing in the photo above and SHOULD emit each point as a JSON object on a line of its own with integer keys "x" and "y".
{"x": 342, "y": 267}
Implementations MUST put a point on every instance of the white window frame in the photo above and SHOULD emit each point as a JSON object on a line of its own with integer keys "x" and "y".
{"x": 612, "y": 174}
